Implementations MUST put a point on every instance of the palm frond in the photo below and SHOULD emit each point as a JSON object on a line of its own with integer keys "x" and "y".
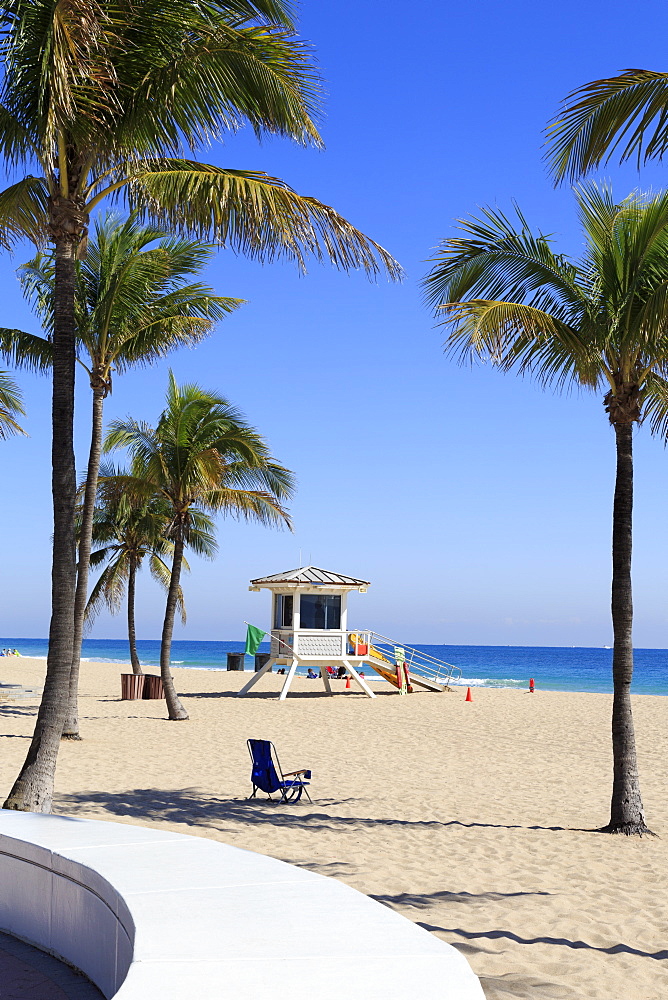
{"x": 249, "y": 505}
{"x": 220, "y": 78}
{"x": 505, "y": 296}
{"x": 162, "y": 574}
{"x": 17, "y": 144}
{"x": 109, "y": 587}
{"x": 100, "y": 556}
{"x": 26, "y": 350}
{"x": 514, "y": 335}
{"x": 656, "y": 404}
{"x": 252, "y": 213}
{"x": 180, "y": 319}
{"x": 11, "y": 405}
{"x": 496, "y": 258}
{"x": 626, "y": 115}
{"x": 23, "y": 212}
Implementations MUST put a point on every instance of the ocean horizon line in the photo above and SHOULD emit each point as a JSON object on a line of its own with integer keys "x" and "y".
{"x": 416, "y": 645}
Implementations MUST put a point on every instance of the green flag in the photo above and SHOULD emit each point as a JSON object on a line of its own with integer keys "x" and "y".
{"x": 254, "y": 637}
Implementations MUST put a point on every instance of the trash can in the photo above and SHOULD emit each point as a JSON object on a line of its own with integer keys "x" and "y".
{"x": 260, "y": 660}
{"x": 132, "y": 687}
{"x": 153, "y": 689}
{"x": 235, "y": 661}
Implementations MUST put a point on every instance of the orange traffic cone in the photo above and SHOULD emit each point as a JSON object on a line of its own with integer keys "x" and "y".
{"x": 348, "y": 681}
{"x": 468, "y": 695}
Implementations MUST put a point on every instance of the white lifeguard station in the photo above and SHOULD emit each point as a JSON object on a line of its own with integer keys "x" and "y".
{"x": 309, "y": 617}
{"x": 310, "y": 625}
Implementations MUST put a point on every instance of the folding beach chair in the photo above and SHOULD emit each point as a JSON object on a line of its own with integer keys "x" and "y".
{"x": 267, "y": 776}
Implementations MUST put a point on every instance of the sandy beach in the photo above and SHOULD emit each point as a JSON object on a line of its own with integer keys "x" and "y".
{"x": 474, "y": 820}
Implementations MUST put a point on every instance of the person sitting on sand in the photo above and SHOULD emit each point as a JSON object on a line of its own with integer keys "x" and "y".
{"x": 341, "y": 672}
{"x": 311, "y": 674}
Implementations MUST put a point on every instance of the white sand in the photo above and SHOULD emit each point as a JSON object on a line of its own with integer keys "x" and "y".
{"x": 471, "y": 819}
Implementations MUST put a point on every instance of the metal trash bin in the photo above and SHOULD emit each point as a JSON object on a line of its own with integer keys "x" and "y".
{"x": 235, "y": 661}
{"x": 132, "y": 687}
{"x": 153, "y": 689}
{"x": 260, "y": 660}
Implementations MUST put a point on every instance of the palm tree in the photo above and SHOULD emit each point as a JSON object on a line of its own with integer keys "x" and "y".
{"x": 133, "y": 305}
{"x": 102, "y": 101}
{"x": 202, "y": 458}
{"x": 126, "y": 533}
{"x": 11, "y": 406}
{"x": 600, "y": 321}
{"x": 624, "y": 115}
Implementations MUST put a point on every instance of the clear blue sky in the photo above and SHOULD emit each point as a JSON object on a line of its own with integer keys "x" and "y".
{"x": 477, "y": 505}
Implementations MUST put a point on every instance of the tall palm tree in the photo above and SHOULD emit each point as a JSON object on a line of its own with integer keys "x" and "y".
{"x": 600, "y": 321}
{"x": 102, "y": 101}
{"x": 126, "y": 533}
{"x": 11, "y": 406}
{"x": 134, "y": 303}
{"x": 203, "y": 458}
{"x": 624, "y": 116}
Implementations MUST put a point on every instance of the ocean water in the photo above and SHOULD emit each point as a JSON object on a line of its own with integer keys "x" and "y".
{"x": 554, "y": 668}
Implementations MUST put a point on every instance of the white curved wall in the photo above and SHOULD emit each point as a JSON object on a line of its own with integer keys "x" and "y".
{"x": 145, "y": 913}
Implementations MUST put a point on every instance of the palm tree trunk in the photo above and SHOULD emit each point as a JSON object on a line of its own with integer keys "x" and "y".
{"x": 71, "y": 728}
{"x": 626, "y": 810}
{"x": 132, "y": 635}
{"x": 33, "y": 789}
{"x": 174, "y": 706}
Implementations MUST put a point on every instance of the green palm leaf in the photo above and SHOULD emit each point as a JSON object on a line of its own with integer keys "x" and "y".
{"x": 24, "y": 212}
{"x": 11, "y": 405}
{"x": 626, "y": 115}
{"x": 251, "y": 213}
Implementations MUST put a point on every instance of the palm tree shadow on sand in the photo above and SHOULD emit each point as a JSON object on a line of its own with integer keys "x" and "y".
{"x": 190, "y": 806}
{"x": 495, "y": 935}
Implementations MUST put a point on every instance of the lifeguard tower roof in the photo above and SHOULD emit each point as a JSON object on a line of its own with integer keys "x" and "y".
{"x": 310, "y": 575}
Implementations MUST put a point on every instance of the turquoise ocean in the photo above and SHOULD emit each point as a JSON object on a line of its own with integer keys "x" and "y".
{"x": 554, "y": 668}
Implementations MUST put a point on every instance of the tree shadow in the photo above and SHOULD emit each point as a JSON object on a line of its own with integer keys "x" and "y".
{"x": 519, "y": 826}
{"x": 422, "y": 900}
{"x": 615, "y": 949}
{"x": 333, "y": 869}
{"x": 18, "y": 710}
{"x": 105, "y": 718}
{"x": 187, "y": 805}
{"x": 273, "y": 695}
{"x": 522, "y": 987}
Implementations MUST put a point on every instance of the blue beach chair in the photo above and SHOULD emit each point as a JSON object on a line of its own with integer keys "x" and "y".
{"x": 268, "y": 777}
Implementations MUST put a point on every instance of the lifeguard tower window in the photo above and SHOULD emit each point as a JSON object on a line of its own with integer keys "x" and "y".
{"x": 283, "y": 616}
{"x": 320, "y": 611}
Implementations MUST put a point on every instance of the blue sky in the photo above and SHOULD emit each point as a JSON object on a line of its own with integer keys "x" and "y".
{"x": 477, "y": 505}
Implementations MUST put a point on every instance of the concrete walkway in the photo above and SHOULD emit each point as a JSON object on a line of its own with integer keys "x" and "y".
{"x": 150, "y": 914}
{"x": 29, "y": 974}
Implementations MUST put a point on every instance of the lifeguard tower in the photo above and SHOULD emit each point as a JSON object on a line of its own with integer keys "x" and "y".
{"x": 310, "y": 629}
